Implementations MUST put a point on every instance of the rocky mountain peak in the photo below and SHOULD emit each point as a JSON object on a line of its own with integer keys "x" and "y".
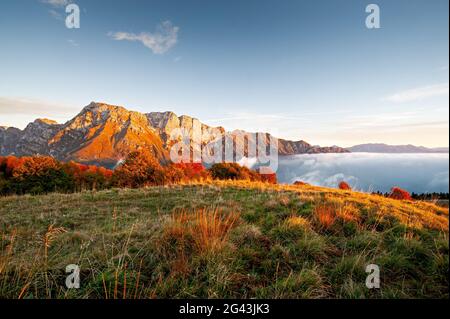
{"x": 104, "y": 134}
{"x": 45, "y": 122}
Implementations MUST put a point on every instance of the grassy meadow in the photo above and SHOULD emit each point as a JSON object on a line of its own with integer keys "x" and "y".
{"x": 222, "y": 240}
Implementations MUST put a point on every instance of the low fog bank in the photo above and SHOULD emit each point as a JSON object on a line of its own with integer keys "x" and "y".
{"x": 419, "y": 173}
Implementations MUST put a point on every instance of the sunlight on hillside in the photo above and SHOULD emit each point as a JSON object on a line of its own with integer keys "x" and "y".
{"x": 222, "y": 239}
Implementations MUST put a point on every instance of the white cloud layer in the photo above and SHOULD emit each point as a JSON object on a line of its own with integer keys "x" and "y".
{"x": 420, "y": 93}
{"x": 161, "y": 41}
{"x": 369, "y": 172}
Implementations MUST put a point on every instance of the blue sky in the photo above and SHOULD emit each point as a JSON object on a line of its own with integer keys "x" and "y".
{"x": 299, "y": 69}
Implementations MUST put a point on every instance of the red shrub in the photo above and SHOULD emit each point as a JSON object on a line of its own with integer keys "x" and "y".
{"x": 9, "y": 163}
{"x": 139, "y": 169}
{"x": 268, "y": 177}
{"x": 300, "y": 183}
{"x": 345, "y": 186}
{"x": 185, "y": 172}
{"x": 88, "y": 176}
{"x": 192, "y": 171}
{"x": 400, "y": 194}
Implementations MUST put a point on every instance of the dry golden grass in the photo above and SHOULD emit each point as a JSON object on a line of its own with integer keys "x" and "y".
{"x": 349, "y": 213}
{"x": 209, "y": 228}
{"x": 212, "y": 228}
{"x": 416, "y": 214}
{"x": 297, "y": 221}
{"x": 185, "y": 247}
{"x": 325, "y": 215}
{"x": 284, "y": 200}
{"x": 50, "y": 236}
{"x": 8, "y": 250}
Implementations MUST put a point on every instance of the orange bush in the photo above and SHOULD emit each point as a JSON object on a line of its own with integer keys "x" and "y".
{"x": 139, "y": 169}
{"x": 186, "y": 172}
{"x": 88, "y": 176}
{"x": 33, "y": 174}
{"x": 32, "y": 166}
{"x": 41, "y": 174}
{"x": 344, "y": 186}
{"x": 8, "y": 164}
{"x": 270, "y": 178}
{"x": 400, "y": 194}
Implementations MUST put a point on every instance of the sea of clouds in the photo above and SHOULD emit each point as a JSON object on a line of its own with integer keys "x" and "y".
{"x": 368, "y": 172}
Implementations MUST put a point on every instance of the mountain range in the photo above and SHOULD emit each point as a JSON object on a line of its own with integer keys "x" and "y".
{"x": 384, "y": 148}
{"x": 104, "y": 134}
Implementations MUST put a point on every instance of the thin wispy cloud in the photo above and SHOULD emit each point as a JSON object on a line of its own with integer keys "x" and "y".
{"x": 55, "y": 14}
{"x": 57, "y": 3}
{"x": 73, "y": 43}
{"x": 57, "y": 7}
{"x": 162, "y": 40}
{"x": 419, "y": 93}
{"x": 16, "y": 106}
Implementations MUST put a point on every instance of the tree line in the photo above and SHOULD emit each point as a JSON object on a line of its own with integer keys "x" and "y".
{"x": 421, "y": 196}
{"x": 43, "y": 174}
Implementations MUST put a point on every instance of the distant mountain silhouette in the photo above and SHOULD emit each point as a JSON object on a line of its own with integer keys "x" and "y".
{"x": 384, "y": 148}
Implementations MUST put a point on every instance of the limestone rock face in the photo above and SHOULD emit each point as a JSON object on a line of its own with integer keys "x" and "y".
{"x": 166, "y": 122}
{"x": 34, "y": 138}
{"x": 105, "y": 134}
{"x": 9, "y": 136}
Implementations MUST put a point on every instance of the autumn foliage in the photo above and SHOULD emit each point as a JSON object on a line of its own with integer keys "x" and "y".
{"x": 233, "y": 171}
{"x": 300, "y": 183}
{"x": 270, "y": 178}
{"x": 344, "y": 186}
{"x": 185, "y": 172}
{"x": 42, "y": 174}
{"x": 139, "y": 169}
{"x": 400, "y": 194}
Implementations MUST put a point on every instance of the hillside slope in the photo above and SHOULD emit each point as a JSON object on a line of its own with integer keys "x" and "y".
{"x": 222, "y": 240}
